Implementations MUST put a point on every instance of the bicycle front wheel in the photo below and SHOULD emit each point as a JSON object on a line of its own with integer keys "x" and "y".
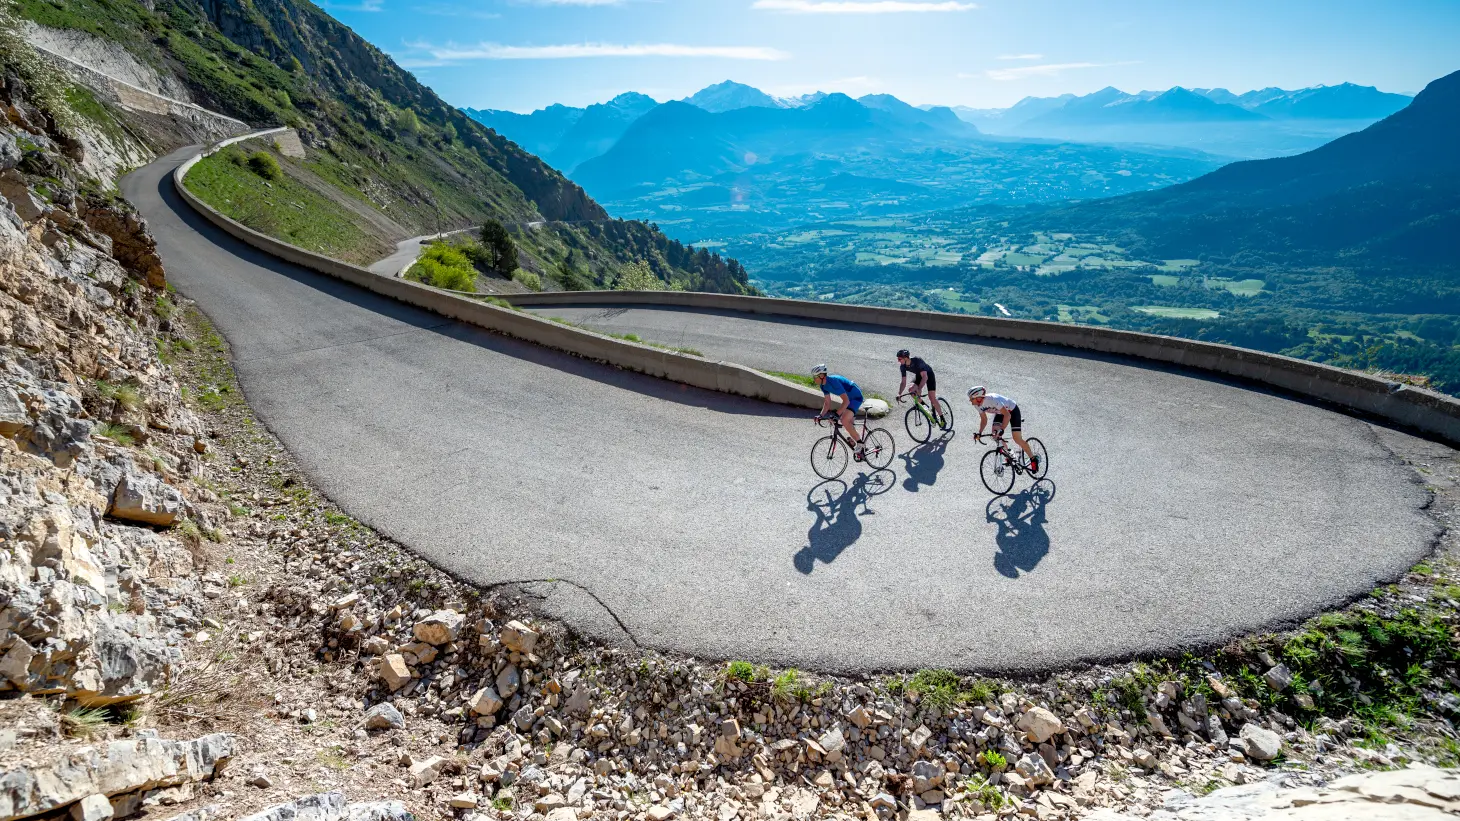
{"x": 1037, "y": 447}
{"x": 947, "y": 412}
{"x": 917, "y": 425}
{"x": 829, "y": 457}
{"x": 996, "y": 472}
{"x": 879, "y": 448}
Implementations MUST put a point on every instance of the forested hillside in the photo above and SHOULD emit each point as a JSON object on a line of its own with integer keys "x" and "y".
{"x": 370, "y": 127}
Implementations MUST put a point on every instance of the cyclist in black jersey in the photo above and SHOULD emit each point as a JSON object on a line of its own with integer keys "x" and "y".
{"x": 922, "y": 377}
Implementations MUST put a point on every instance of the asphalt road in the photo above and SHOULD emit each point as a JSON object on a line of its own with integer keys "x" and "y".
{"x": 406, "y": 252}
{"x": 1178, "y": 510}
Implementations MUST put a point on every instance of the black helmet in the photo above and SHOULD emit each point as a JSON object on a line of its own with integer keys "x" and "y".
{"x": 904, "y": 354}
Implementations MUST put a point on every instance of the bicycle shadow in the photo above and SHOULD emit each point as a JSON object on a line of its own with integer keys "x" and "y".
{"x": 1022, "y": 539}
{"x": 924, "y": 462}
{"x": 838, "y": 525}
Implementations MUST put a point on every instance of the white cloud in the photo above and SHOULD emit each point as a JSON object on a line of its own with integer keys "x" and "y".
{"x": 575, "y": 2}
{"x": 1046, "y": 70}
{"x": 1020, "y": 57}
{"x": 861, "y": 6}
{"x": 495, "y": 51}
{"x": 364, "y": 5}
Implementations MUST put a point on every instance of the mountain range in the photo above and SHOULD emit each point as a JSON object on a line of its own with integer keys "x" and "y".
{"x": 1387, "y": 196}
{"x": 680, "y": 142}
{"x": 1263, "y": 123}
{"x": 565, "y": 136}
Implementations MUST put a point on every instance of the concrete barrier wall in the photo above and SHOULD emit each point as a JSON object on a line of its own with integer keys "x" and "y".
{"x": 725, "y": 377}
{"x": 1431, "y": 413}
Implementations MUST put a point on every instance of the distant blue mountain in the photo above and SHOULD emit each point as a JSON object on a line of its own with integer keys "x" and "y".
{"x": 566, "y": 136}
{"x": 1111, "y": 106}
{"x": 680, "y": 141}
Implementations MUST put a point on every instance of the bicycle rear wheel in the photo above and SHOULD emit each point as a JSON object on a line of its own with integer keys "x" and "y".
{"x": 1039, "y": 453}
{"x": 829, "y": 457}
{"x": 917, "y": 425}
{"x": 947, "y": 412}
{"x": 996, "y": 472}
{"x": 880, "y": 448}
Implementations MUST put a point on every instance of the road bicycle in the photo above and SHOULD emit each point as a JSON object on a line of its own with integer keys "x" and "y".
{"x": 919, "y": 420}
{"x": 1001, "y": 466}
{"x": 830, "y": 453}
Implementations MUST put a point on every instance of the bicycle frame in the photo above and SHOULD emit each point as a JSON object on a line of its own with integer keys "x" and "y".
{"x": 840, "y": 434}
{"x": 922, "y": 407}
{"x": 1002, "y": 446}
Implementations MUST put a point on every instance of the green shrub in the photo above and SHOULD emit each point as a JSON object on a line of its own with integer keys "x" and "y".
{"x": 638, "y": 277}
{"x": 443, "y": 266}
{"x": 528, "y": 279}
{"x": 264, "y": 164}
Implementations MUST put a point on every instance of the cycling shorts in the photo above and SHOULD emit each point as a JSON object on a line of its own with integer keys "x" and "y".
{"x": 855, "y": 404}
{"x": 1016, "y": 420}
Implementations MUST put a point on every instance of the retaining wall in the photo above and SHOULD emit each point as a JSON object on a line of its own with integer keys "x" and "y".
{"x": 725, "y": 377}
{"x": 1431, "y": 413}
{"x": 205, "y": 123}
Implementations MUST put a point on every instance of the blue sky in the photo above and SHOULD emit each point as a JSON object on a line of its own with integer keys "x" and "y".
{"x": 525, "y": 54}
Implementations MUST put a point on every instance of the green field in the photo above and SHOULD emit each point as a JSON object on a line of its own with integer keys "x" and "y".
{"x": 1017, "y": 258}
{"x": 1082, "y": 313}
{"x": 1176, "y": 313}
{"x": 814, "y": 236}
{"x": 1164, "y": 280}
{"x": 1239, "y": 287}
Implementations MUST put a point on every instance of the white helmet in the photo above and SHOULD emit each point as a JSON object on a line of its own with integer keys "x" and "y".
{"x": 818, "y": 370}
{"x": 977, "y": 390}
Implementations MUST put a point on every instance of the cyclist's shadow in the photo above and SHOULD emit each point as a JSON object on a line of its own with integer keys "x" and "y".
{"x": 1022, "y": 539}
{"x": 838, "y": 526}
{"x": 924, "y": 462}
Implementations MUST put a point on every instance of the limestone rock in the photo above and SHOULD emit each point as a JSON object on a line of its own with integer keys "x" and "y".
{"x": 1041, "y": 725}
{"x": 427, "y": 771}
{"x": 441, "y": 627}
{"x": 394, "y": 671}
{"x": 93, "y": 807}
{"x": 927, "y": 775}
{"x": 1035, "y": 769}
{"x": 119, "y": 767}
{"x": 508, "y": 681}
{"x": 384, "y": 716}
{"x": 147, "y": 499}
{"x": 1260, "y": 743}
{"x": 485, "y": 702}
{"x": 1278, "y": 678}
{"x": 518, "y": 637}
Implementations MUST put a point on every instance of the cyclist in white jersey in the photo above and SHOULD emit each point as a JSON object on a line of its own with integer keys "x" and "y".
{"x": 1006, "y": 414}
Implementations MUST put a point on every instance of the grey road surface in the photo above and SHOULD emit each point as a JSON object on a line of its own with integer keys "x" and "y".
{"x": 1178, "y": 509}
{"x": 406, "y": 252}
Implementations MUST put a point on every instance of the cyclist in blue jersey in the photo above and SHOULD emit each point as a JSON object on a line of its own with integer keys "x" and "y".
{"x": 851, "y": 397}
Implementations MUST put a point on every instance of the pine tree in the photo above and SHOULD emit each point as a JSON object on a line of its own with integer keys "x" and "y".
{"x": 501, "y": 250}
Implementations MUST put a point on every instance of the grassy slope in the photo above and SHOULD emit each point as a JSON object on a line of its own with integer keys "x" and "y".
{"x": 285, "y": 209}
{"x": 376, "y": 134}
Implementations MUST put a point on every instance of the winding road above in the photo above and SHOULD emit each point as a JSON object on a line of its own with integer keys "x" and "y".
{"x": 1180, "y": 509}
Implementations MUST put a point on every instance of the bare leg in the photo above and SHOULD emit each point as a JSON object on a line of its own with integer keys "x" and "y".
{"x": 849, "y": 425}
{"x": 933, "y": 403}
{"x": 1019, "y": 440}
